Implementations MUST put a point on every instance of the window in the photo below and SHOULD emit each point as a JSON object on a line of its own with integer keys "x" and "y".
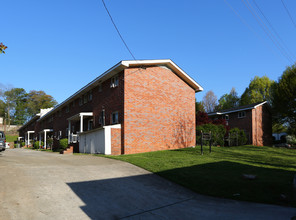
{"x": 114, "y": 118}
{"x": 100, "y": 87}
{"x": 114, "y": 81}
{"x": 60, "y": 135}
{"x": 90, "y": 124}
{"x": 226, "y": 117}
{"x": 80, "y": 101}
{"x": 67, "y": 108}
{"x": 102, "y": 118}
{"x": 73, "y": 104}
{"x": 67, "y": 129}
{"x": 90, "y": 95}
{"x": 60, "y": 113}
{"x": 241, "y": 114}
{"x": 51, "y": 119}
{"x": 84, "y": 98}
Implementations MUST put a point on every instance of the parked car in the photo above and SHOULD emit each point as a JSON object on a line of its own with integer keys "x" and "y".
{"x": 2, "y": 141}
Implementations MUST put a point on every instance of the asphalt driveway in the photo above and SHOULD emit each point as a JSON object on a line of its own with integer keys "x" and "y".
{"x": 42, "y": 185}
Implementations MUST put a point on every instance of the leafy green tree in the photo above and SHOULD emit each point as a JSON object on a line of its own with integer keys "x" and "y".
{"x": 259, "y": 90}
{"x": 227, "y": 101}
{"x": 199, "y": 107}
{"x": 15, "y": 103}
{"x": 284, "y": 99}
{"x": 2, "y": 108}
{"x": 209, "y": 101}
{"x": 38, "y": 100}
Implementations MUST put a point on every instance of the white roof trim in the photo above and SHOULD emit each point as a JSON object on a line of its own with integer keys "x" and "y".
{"x": 260, "y": 104}
{"x": 238, "y": 110}
{"x": 128, "y": 63}
{"x": 171, "y": 64}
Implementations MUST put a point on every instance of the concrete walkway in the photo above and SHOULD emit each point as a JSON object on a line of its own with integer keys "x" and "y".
{"x": 41, "y": 185}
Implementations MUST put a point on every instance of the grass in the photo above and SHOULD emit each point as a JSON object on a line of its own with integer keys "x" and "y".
{"x": 220, "y": 173}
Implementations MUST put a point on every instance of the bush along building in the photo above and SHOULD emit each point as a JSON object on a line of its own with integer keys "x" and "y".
{"x": 135, "y": 106}
{"x": 254, "y": 119}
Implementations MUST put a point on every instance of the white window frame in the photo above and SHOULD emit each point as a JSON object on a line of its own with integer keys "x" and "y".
{"x": 114, "y": 81}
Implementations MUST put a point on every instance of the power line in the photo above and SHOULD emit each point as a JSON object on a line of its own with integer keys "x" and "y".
{"x": 266, "y": 30}
{"x": 250, "y": 28}
{"x": 118, "y": 30}
{"x": 288, "y": 13}
{"x": 285, "y": 46}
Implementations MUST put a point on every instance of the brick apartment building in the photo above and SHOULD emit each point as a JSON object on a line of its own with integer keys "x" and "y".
{"x": 254, "y": 119}
{"x": 135, "y": 106}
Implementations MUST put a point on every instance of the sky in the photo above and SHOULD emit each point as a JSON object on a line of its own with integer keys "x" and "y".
{"x": 59, "y": 46}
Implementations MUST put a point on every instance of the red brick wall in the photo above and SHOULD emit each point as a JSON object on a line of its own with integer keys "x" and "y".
{"x": 262, "y": 127}
{"x": 111, "y": 99}
{"x": 159, "y": 111}
{"x": 115, "y": 141}
{"x": 242, "y": 123}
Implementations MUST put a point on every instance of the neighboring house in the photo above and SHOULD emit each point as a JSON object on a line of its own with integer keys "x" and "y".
{"x": 27, "y": 131}
{"x": 254, "y": 119}
{"x": 135, "y": 106}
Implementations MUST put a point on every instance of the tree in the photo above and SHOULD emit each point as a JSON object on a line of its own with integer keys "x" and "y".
{"x": 38, "y": 100}
{"x": 15, "y": 101}
{"x": 284, "y": 99}
{"x": 259, "y": 90}
{"x": 202, "y": 118}
{"x": 209, "y": 101}
{"x": 199, "y": 107}
{"x": 227, "y": 101}
{"x": 2, "y": 48}
{"x": 2, "y": 108}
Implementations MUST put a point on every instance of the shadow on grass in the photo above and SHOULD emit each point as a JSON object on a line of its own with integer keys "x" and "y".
{"x": 225, "y": 179}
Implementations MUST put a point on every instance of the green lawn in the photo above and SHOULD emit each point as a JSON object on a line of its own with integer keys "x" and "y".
{"x": 220, "y": 173}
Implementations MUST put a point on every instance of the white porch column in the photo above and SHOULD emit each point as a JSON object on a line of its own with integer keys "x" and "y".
{"x": 44, "y": 139}
{"x": 81, "y": 123}
{"x": 69, "y": 132}
{"x": 28, "y": 138}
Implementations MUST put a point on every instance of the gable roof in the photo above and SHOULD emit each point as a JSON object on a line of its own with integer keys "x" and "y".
{"x": 237, "y": 109}
{"x": 124, "y": 65}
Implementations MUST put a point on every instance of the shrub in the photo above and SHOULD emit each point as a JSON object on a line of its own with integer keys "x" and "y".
{"x": 218, "y": 132}
{"x": 63, "y": 143}
{"x": 291, "y": 139}
{"x": 36, "y": 144}
{"x": 23, "y": 144}
{"x": 237, "y": 137}
{"x": 50, "y": 142}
